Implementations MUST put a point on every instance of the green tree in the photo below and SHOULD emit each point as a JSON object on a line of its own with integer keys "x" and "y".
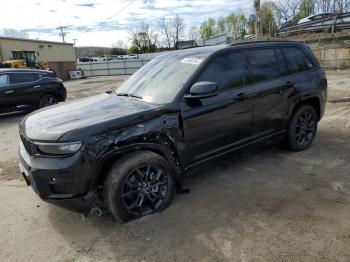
{"x": 221, "y": 25}
{"x": 207, "y": 28}
{"x": 134, "y": 50}
{"x": 306, "y": 8}
{"x": 251, "y": 24}
{"x": 268, "y": 21}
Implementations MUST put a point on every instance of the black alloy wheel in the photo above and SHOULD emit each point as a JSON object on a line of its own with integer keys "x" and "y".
{"x": 302, "y": 128}
{"x": 305, "y": 129}
{"x": 138, "y": 184}
{"x": 48, "y": 100}
{"x": 144, "y": 190}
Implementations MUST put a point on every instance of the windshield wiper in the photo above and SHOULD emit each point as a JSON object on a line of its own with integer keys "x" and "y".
{"x": 129, "y": 95}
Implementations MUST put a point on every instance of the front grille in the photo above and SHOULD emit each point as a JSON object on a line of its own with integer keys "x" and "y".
{"x": 29, "y": 146}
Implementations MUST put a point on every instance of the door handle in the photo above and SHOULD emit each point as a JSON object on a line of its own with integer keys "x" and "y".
{"x": 9, "y": 92}
{"x": 240, "y": 96}
{"x": 289, "y": 84}
{"x": 36, "y": 86}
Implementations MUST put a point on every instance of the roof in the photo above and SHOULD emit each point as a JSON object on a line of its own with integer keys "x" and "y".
{"x": 33, "y": 40}
{"x": 12, "y": 70}
{"x": 266, "y": 43}
{"x": 208, "y": 50}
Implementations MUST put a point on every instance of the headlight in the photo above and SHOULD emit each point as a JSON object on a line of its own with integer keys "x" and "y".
{"x": 59, "y": 148}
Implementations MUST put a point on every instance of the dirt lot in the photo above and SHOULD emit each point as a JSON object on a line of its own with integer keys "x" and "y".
{"x": 268, "y": 205}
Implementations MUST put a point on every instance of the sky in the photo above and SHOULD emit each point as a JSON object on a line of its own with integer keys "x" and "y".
{"x": 105, "y": 22}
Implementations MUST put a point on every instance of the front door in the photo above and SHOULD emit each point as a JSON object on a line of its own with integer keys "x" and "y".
{"x": 217, "y": 124}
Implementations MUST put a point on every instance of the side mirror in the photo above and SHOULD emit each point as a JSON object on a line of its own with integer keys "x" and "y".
{"x": 202, "y": 89}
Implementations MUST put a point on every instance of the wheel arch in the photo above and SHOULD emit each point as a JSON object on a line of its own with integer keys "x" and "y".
{"x": 106, "y": 162}
{"x": 313, "y": 101}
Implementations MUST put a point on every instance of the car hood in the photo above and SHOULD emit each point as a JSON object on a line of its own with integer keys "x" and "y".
{"x": 95, "y": 113}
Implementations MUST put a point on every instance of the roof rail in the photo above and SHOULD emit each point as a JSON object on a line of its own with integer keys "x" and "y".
{"x": 263, "y": 41}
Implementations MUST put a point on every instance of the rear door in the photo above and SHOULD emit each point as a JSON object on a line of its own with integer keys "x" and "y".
{"x": 269, "y": 82}
{"x": 217, "y": 124}
{"x": 303, "y": 73}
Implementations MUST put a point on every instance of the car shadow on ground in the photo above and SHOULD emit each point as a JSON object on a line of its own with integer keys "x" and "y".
{"x": 13, "y": 117}
{"x": 257, "y": 193}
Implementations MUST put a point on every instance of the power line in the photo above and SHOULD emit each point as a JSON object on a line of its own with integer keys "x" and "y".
{"x": 122, "y": 9}
{"x": 62, "y": 34}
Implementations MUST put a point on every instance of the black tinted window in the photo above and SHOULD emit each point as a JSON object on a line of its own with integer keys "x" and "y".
{"x": 282, "y": 66}
{"x": 263, "y": 64}
{"x": 228, "y": 71}
{"x": 296, "y": 60}
{"x": 20, "y": 78}
{"x": 4, "y": 80}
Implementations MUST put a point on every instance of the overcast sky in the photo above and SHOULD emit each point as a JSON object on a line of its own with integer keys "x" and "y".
{"x": 104, "y": 22}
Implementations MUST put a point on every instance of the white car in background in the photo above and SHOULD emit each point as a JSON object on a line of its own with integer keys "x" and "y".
{"x": 315, "y": 17}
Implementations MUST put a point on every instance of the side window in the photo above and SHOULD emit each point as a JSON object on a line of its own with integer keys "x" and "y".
{"x": 263, "y": 64}
{"x": 4, "y": 80}
{"x": 296, "y": 60}
{"x": 227, "y": 70}
{"x": 283, "y": 68}
{"x": 22, "y": 78}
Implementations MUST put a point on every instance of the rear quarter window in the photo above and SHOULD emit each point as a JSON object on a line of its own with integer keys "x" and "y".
{"x": 296, "y": 60}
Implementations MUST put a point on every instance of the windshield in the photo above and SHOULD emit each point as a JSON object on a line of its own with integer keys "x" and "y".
{"x": 160, "y": 80}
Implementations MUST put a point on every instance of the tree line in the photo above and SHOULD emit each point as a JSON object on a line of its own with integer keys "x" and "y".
{"x": 170, "y": 30}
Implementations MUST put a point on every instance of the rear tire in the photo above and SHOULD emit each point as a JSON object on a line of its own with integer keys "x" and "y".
{"x": 139, "y": 184}
{"x": 302, "y": 128}
{"x": 48, "y": 100}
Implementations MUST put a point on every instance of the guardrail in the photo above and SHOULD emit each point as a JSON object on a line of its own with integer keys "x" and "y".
{"x": 332, "y": 24}
{"x": 113, "y": 67}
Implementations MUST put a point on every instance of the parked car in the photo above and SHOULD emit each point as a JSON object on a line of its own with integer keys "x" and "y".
{"x": 85, "y": 59}
{"x": 315, "y": 17}
{"x": 128, "y": 150}
{"x": 22, "y": 89}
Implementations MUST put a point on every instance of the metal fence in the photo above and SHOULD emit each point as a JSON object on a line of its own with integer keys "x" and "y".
{"x": 113, "y": 67}
{"x": 331, "y": 24}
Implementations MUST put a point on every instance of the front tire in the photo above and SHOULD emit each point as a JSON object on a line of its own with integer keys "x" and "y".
{"x": 47, "y": 100}
{"x": 139, "y": 184}
{"x": 302, "y": 128}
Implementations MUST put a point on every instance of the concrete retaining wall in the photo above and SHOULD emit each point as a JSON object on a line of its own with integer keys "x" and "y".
{"x": 333, "y": 57}
{"x": 332, "y": 52}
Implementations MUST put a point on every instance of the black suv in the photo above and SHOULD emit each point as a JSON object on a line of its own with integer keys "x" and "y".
{"x": 127, "y": 150}
{"x": 22, "y": 89}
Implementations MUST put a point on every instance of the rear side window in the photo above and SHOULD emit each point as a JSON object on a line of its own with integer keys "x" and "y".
{"x": 296, "y": 59}
{"x": 263, "y": 64}
{"x": 4, "y": 80}
{"x": 227, "y": 70}
{"x": 21, "y": 78}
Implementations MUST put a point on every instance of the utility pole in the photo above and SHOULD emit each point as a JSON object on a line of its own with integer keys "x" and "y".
{"x": 62, "y": 34}
{"x": 75, "y": 48}
{"x": 257, "y": 19}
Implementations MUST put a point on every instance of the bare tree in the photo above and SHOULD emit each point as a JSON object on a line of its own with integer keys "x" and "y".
{"x": 172, "y": 29}
{"x": 193, "y": 33}
{"x": 144, "y": 38}
{"x": 179, "y": 27}
{"x": 166, "y": 27}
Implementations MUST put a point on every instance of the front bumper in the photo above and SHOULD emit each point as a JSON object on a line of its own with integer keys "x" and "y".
{"x": 64, "y": 182}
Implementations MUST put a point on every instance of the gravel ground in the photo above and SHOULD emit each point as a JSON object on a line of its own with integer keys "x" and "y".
{"x": 265, "y": 205}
